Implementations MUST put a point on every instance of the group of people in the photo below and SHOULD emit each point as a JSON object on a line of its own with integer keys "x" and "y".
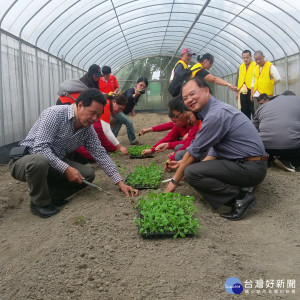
{"x": 214, "y": 146}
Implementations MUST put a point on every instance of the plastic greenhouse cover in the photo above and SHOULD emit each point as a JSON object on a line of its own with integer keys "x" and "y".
{"x": 119, "y": 31}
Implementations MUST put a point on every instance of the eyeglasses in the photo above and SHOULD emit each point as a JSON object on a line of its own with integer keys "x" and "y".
{"x": 191, "y": 94}
{"x": 177, "y": 116}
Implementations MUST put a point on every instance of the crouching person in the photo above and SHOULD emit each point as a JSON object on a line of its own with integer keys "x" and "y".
{"x": 59, "y": 131}
{"x": 236, "y": 160}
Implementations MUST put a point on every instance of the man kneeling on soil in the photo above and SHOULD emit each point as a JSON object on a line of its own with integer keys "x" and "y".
{"x": 59, "y": 131}
{"x": 236, "y": 157}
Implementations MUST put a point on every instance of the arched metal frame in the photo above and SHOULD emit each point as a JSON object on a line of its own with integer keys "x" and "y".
{"x": 223, "y": 39}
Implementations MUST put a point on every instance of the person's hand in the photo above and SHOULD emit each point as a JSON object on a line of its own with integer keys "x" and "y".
{"x": 171, "y": 187}
{"x": 173, "y": 165}
{"x": 145, "y": 130}
{"x": 73, "y": 175}
{"x": 237, "y": 96}
{"x": 232, "y": 87}
{"x": 146, "y": 152}
{"x": 133, "y": 113}
{"x": 123, "y": 150}
{"x": 162, "y": 147}
{"x": 185, "y": 136}
{"x": 251, "y": 97}
{"x": 128, "y": 190}
{"x": 136, "y": 92}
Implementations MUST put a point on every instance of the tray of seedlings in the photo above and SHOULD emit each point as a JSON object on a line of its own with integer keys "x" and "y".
{"x": 167, "y": 215}
{"x": 145, "y": 177}
{"x": 136, "y": 151}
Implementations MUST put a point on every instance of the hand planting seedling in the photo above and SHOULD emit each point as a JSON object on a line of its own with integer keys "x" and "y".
{"x": 145, "y": 177}
{"x": 167, "y": 214}
{"x": 137, "y": 150}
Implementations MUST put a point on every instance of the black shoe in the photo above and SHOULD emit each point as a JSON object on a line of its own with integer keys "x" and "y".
{"x": 240, "y": 207}
{"x": 43, "y": 211}
{"x": 60, "y": 202}
{"x": 284, "y": 164}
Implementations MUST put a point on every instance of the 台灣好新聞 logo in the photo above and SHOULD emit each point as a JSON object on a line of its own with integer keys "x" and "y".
{"x": 233, "y": 286}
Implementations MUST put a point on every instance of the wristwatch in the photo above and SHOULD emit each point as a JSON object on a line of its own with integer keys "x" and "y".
{"x": 174, "y": 181}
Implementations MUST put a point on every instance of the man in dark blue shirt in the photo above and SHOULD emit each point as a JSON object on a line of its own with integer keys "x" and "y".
{"x": 132, "y": 95}
{"x": 227, "y": 158}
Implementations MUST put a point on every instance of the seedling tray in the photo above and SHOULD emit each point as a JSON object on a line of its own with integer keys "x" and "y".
{"x": 158, "y": 235}
{"x": 141, "y": 187}
{"x": 140, "y": 156}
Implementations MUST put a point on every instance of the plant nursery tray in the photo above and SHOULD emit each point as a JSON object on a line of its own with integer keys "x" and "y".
{"x": 140, "y": 156}
{"x": 155, "y": 235}
{"x": 141, "y": 187}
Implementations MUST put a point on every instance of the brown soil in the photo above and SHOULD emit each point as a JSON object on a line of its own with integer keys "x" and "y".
{"x": 91, "y": 249}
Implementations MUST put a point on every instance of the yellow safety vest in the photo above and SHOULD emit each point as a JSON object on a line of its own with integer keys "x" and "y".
{"x": 185, "y": 66}
{"x": 246, "y": 75}
{"x": 263, "y": 83}
{"x": 198, "y": 65}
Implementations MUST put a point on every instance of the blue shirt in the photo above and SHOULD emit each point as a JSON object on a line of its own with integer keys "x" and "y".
{"x": 226, "y": 133}
{"x": 53, "y": 135}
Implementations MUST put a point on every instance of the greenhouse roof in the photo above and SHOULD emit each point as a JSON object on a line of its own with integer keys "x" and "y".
{"x": 118, "y": 32}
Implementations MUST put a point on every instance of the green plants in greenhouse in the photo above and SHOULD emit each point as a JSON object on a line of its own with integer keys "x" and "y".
{"x": 137, "y": 150}
{"x": 145, "y": 176}
{"x": 167, "y": 214}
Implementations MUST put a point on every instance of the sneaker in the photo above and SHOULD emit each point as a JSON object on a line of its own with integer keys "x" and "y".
{"x": 136, "y": 143}
{"x": 285, "y": 165}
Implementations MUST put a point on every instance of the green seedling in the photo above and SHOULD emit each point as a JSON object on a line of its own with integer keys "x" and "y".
{"x": 118, "y": 152}
{"x": 137, "y": 149}
{"x": 167, "y": 213}
{"x": 145, "y": 176}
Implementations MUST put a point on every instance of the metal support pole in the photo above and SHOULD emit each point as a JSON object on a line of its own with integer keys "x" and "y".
{"x": 23, "y": 124}
{"x": 286, "y": 64}
{"x": 37, "y": 81}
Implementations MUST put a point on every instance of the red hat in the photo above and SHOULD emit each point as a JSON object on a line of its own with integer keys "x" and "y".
{"x": 188, "y": 51}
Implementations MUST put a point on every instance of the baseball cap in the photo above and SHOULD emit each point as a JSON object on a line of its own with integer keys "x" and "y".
{"x": 188, "y": 51}
{"x": 95, "y": 70}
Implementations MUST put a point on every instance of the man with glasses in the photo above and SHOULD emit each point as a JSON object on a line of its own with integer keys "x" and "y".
{"x": 236, "y": 160}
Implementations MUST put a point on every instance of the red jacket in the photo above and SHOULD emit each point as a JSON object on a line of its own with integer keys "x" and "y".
{"x": 163, "y": 127}
{"x": 191, "y": 136}
{"x": 172, "y": 138}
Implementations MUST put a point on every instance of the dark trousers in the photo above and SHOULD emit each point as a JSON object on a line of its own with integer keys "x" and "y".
{"x": 292, "y": 155}
{"x": 44, "y": 182}
{"x": 247, "y": 106}
{"x": 220, "y": 181}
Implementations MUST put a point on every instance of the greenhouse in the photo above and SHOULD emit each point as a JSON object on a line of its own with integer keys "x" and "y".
{"x": 45, "y": 42}
{"x": 97, "y": 245}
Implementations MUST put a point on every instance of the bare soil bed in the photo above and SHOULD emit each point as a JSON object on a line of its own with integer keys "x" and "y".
{"x": 91, "y": 249}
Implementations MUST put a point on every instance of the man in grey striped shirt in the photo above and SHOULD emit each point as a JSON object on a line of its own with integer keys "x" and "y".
{"x": 59, "y": 131}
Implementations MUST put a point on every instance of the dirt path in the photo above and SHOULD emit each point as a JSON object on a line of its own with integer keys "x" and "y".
{"x": 91, "y": 249}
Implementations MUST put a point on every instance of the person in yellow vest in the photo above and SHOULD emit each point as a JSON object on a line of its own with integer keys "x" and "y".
{"x": 244, "y": 80}
{"x": 183, "y": 63}
{"x": 200, "y": 70}
{"x": 265, "y": 76}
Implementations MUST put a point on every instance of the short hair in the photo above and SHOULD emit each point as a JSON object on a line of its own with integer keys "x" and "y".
{"x": 170, "y": 114}
{"x": 258, "y": 52}
{"x": 176, "y": 104}
{"x": 263, "y": 97}
{"x": 90, "y": 95}
{"x": 199, "y": 81}
{"x": 185, "y": 108}
{"x": 205, "y": 56}
{"x": 106, "y": 70}
{"x": 120, "y": 99}
{"x": 141, "y": 79}
{"x": 288, "y": 93}
{"x": 247, "y": 51}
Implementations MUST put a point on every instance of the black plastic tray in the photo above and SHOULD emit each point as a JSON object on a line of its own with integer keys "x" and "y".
{"x": 140, "y": 156}
{"x": 141, "y": 187}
